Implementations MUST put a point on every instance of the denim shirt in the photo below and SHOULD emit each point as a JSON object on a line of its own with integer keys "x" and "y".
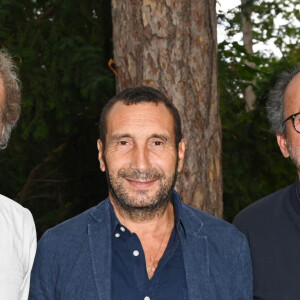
{"x": 74, "y": 259}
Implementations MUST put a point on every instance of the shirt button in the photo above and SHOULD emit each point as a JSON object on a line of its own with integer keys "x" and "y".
{"x": 122, "y": 229}
{"x": 136, "y": 253}
{"x": 147, "y": 298}
{"x": 117, "y": 235}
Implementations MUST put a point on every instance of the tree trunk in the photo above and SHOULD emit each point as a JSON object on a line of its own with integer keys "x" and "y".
{"x": 171, "y": 45}
{"x": 249, "y": 94}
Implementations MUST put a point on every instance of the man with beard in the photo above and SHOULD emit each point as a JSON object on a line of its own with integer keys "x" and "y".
{"x": 272, "y": 224}
{"x": 142, "y": 242}
{"x": 17, "y": 230}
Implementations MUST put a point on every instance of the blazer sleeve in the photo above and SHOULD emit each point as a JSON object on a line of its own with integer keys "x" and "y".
{"x": 42, "y": 283}
{"x": 243, "y": 276}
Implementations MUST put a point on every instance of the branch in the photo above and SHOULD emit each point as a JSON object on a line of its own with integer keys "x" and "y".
{"x": 23, "y": 193}
{"x": 46, "y": 13}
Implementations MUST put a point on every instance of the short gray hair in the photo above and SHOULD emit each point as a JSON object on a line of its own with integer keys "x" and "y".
{"x": 275, "y": 103}
{"x": 10, "y": 108}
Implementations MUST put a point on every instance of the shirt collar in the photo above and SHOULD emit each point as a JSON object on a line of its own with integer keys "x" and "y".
{"x": 177, "y": 210}
{"x": 114, "y": 220}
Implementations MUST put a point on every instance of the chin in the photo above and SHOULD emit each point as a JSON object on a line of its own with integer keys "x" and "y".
{"x": 141, "y": 202}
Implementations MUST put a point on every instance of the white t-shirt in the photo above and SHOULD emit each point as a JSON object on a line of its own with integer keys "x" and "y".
{"x": 17, "y": 249}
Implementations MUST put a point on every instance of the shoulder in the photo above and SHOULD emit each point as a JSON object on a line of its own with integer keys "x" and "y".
{"x": 75, "y": 229}
{"x": 265, "y": 207}
{"x": 214, "y": 228}
{"x": 262, "y": 214}
{"x": 11, "y": 206}
{"x": 15, "y": 216}
{"x": 70, "y": 239}
{"x": 228, "y": 248}
{"x": 204, "y": 219}
{"x": 18, "y": 238}
{"x": 199, "y": 223}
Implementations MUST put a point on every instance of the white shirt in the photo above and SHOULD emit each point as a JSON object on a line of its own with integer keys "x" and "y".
{"x": 17, "y": 249}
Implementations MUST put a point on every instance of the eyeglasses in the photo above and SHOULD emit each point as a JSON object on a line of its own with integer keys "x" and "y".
{"x": 296, "y": 121}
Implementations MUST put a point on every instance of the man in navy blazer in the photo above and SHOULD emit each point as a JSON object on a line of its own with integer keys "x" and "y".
{"x": 142, "y": 242}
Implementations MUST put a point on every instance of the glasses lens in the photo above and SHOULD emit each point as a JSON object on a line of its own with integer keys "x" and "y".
{"x": 297, "y": 122}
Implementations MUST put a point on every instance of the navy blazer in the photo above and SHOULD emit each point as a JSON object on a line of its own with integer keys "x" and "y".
{"x": 73, "y": 259}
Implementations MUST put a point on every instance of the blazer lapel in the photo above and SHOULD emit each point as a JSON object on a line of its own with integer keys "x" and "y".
{"x": 100, "y": 246}
{"x": 195, "y": 252}
{"x": 196, "y": 262}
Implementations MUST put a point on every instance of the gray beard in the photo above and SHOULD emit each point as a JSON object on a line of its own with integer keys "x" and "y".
{"x": 294, "y": 155}
{"x": 159, "y": 201}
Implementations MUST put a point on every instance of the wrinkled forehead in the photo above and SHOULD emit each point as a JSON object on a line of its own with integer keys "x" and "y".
{"x": 140, "y": 116}
{"x": 122, "y": 106}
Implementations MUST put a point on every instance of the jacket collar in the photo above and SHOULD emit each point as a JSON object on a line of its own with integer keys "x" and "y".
{"x": 99, "y": 233}
{"x": 193, "y": 241}
{"x": 195, "y": 250}
{"x": 188, "y": 220}
{"x": 101, "y": 211}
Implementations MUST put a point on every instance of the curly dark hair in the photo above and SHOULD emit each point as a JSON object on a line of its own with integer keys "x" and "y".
{"x": 10, "y": 104}
{"x": 275, "y": 103}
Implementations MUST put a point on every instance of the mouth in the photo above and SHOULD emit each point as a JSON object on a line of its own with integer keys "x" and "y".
{"x": 141, "y": 184}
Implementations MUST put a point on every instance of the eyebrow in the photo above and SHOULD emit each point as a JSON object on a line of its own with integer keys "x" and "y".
{"x": 126, "y": 135}
{"x": 160, "y": 136}
{"x": 121, "y": 136}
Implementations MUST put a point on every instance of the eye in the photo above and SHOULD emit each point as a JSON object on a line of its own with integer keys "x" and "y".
{"x": 158, "y": 143}
{"x": 123, "y": 143}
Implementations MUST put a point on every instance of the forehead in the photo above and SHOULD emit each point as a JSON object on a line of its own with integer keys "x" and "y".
{"x": 292, "y": 96}
{"x": 135, "y": 117}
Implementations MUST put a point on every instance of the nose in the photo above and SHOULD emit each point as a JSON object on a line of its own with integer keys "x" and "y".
{"x": 140, "y": 159}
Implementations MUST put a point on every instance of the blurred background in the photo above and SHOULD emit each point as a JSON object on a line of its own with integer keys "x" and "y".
{"x": 62, "y": 49}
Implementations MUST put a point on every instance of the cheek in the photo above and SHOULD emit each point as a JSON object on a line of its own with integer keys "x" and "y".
{"x": 294, "y": 140}
{"x": 115, "y": 161}
{"x": 165, "y": 161}
{"x": 167, "y": 164}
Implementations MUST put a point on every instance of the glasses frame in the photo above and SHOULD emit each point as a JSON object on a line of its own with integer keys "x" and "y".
{"x": 291, "y": 117}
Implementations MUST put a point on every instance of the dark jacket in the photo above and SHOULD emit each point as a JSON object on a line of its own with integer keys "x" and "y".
{"x": 73, "y": 259}
{"x": 272, "y": 226}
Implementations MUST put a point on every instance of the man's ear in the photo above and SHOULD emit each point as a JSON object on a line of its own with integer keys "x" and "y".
{"x": 181, "y": 153}
{"x": 101, "y": 155}
{"x": 282, "y": 143}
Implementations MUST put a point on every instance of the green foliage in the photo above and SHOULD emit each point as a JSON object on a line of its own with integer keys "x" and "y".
{"x": 62, "y": 49}
{"x": 252, "y": 162}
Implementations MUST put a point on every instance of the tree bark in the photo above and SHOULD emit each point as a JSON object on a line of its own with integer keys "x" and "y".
{"x": 249, "y": 94}
{"x": 172, "y": 45}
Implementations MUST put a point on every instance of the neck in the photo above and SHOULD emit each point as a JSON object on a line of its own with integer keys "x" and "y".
{"x": 140, "y": 214}
{"x": 154, "y": 234}
{"x": 146, "y": 226}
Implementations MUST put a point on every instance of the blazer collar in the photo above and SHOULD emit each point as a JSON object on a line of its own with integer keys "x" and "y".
{"x": 99, "y": 234}
{"x": 195, "y": 250}
{"x": 101, "y": 211}
{"x": 188, "y": 217}
{"x": 193, "y": 241}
